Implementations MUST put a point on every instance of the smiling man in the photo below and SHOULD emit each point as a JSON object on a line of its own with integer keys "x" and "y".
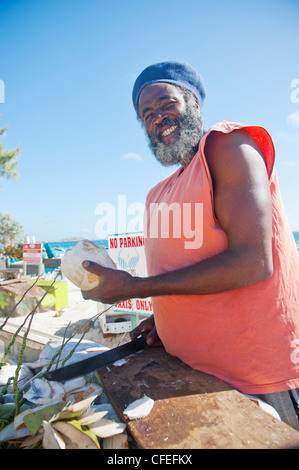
{"x": 175, "y": 134}
{"x": 228, "y": 307}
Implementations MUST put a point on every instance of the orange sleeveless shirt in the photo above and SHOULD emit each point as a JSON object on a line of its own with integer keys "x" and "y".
{"x": 248, "y": 336}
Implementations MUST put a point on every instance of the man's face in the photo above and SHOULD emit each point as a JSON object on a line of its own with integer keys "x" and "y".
{"x": 173, "y": 123}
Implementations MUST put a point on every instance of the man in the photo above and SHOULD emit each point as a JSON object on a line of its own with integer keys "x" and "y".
{"x": 227, "y": 306}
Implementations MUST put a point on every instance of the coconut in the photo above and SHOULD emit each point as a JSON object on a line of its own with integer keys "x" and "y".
{"x": 139, "y": 408}
{"x": 71, "y": 264}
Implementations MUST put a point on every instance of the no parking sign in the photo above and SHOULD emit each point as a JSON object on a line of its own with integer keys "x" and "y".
{"x": 127, "y": 251}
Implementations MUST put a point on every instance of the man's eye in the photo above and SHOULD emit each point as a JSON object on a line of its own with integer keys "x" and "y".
{"x": 168, "y": 104}
{"x": 148, "y": 117}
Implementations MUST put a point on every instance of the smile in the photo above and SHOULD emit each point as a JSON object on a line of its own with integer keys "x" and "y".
{"x": 168, "y": 131}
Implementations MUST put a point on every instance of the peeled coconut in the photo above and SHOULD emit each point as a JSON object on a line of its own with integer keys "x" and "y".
{"x": 71, "y": 264}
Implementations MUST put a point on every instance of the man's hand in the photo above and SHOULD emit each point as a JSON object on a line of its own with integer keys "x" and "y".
{"x": 115, "y": 285}
{"x": 147, "y": 328}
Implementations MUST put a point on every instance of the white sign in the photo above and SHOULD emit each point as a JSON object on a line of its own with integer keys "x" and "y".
{"x": 127, "y": 251}
{"x": 33, "y": 253}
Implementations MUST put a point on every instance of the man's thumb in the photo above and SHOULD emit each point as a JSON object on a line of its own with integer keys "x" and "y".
{"x": 91, "y": 267}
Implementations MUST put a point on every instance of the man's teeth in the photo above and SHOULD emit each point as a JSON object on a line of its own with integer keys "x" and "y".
{"x": 169, "y": 131}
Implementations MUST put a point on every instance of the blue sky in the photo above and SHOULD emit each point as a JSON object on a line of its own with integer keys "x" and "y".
{"x": 68, "y": 68}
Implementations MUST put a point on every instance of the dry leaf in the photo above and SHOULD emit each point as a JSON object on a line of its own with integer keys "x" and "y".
{"x": 31, "y": 442}
{"x": 106, "y": 427}
{"x": 52, "y": 439}
{"x": 75, "y": 409}
{"x": 73, "y": 437}
{"x": 86, "y": 420}
{"x": 120, "y": 441}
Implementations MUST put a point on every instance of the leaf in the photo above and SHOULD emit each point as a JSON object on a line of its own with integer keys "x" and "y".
{"x": 9, "y": 433}
{"x": 84, "y": 392}
{"x": 107, "y": 428}
{"x": 34, "y": 419}
{"x": 74, "y": 410}
{"x": 88, "y": 432}
{"x": 120, "y": 441}
{"x": 86, "y": 420}
{"x": 73, "y": 435}
{"x": 31, "y": 442}
{"x": 51, "y": 438}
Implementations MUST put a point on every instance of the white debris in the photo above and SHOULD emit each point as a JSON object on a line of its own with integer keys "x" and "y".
{"x": 264, "y": 406}
{"x": 139, "y": 408}
{"x": 42, "y": 392}
{"x": 120, "y": 362}
{"x": 9, "y": 370}
{"x": 81, "y": 351}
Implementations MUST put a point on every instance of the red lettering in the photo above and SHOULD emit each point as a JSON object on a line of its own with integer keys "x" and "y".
{"x": 146, "y": 305}
{"x": 125, "y": 304}
{"x": 113, "y": 243}
{"x": 127, "y": 242}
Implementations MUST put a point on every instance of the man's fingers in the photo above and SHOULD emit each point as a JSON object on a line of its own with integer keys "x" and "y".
{"x": 153, "y": 338}
{"x": 137, "y": 331}
{"x": 92, "y": 267}
{"x": 85, "y": 295}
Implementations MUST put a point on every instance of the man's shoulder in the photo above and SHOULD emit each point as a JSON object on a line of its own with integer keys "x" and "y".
{"x": 236, "y": 136}
{"x": 226, "y": 136}
{"x": 231, "y": 151}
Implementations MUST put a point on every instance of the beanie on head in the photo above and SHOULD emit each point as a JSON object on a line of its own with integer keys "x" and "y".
{"x": 175, "y": 73}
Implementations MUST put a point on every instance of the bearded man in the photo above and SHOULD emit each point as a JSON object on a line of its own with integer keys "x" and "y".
{"x": 228, "y": 306}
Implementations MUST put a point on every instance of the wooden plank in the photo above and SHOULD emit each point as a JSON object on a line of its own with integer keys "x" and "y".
{"x": 12, "y": 281}
{"x": 35, "y": 342}
{"x": 192, "y": 410}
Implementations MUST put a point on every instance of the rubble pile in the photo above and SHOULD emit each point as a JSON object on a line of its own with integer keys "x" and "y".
{"x": 75, "y": 414}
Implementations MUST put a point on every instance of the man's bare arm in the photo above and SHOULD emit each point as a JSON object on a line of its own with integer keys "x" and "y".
{"x": 244, "y": 211}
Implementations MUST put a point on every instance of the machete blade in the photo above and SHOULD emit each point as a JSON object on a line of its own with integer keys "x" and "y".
{"x": 86, "y": 366}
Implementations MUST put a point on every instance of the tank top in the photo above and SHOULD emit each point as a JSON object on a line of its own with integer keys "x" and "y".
{"x": 247, "y": 337}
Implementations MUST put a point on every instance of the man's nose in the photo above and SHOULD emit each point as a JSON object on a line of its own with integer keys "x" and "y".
{"x": 160, "y": 116}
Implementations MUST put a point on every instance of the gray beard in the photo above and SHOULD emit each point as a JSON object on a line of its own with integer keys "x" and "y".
{"x": 191, "y": 131}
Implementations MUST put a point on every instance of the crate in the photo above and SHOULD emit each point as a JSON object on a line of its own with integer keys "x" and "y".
{"x": 59, "y": 290}
{"x": 117, "y": 322}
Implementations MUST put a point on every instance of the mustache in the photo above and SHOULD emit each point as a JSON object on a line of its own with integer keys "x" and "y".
{"x": 166, "y": 122}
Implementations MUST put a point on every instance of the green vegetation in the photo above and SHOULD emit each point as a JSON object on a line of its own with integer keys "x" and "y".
{"x": 8, "y": 159}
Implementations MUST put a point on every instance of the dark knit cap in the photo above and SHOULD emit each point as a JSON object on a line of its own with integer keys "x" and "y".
{"x": 175, "y": 73}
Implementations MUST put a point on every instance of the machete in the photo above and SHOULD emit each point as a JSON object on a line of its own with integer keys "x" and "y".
{"x": 95, "y": 362}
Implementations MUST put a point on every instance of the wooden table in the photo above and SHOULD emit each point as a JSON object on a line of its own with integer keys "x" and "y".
{"x": 192, "y": 410}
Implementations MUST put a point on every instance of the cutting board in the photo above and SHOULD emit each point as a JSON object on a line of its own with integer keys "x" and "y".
{"x": 192, "y": 410}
